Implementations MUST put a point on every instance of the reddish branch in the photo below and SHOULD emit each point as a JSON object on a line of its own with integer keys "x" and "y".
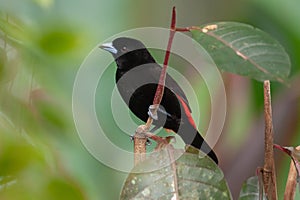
{"x": 140, "y": 137}
{"x": 161, "y": 84}
{"x": 160, "y": 88}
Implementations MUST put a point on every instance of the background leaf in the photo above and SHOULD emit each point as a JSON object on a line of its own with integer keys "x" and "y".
{"x": 27, "y": 24}
{"x": 196, "y": 177}
{"x": 244, "y": 50}
{"x": 250, "y": 189}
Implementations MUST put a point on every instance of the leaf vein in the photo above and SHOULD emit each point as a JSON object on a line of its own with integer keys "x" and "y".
{"x": 279, "y": 79}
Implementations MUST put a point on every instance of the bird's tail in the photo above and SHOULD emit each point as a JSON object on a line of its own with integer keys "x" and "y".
{"x": 191, "y": 136}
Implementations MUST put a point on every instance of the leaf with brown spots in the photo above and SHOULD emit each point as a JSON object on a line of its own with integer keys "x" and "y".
{"x": 244, "y": 50}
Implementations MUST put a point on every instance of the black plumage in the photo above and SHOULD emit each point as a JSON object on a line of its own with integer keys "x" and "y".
{"x": 137, "y": 77}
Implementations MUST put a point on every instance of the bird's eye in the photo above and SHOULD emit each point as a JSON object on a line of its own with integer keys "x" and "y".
{"x": 124, "y": 48}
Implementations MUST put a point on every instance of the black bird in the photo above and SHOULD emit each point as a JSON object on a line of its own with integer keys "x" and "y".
{"x": 137, "y": 77}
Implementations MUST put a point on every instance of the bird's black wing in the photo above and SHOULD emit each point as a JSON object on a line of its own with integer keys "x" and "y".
{"x": 170, "y": 83}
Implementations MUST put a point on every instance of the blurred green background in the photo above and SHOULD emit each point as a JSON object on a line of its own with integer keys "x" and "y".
{"x": 44, "y": 42}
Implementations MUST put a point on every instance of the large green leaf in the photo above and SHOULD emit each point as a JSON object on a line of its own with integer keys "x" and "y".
{"x": 251, "y": 190}
{"x": 192, "y": 176}
{"x": 242, "y": 49}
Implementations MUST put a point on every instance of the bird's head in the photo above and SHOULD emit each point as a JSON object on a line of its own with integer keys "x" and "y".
{"x": 128, "y": 52}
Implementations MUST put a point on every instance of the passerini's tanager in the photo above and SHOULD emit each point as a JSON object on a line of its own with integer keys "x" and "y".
{"x": 137, "y": 77}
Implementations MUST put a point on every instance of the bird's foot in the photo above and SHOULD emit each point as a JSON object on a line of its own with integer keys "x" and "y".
{"x": 164, "y": 142}
{"x": 155, "y": 128}
{"x": 152, "y": 112}
{"x": 148, "y": 142}
{"x": 161, "y": 141}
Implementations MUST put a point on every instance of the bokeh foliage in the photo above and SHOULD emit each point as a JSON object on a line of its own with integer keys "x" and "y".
{"x": 42, "y": 44}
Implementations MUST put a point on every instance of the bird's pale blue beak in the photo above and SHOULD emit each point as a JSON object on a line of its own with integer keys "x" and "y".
{"x": 109, "y": 47}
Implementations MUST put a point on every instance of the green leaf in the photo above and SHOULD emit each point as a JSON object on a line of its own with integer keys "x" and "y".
{"x": 58, "y": 39}
{"x": 3, "y": 60}
{"x": 191, "y": 175}
{"x": 244, "y": 50}
{"x": 251, "y": 189}
{"x": 11, "y": 31}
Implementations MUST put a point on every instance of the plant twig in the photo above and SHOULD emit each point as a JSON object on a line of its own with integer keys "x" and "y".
{"x": 269, "y": 176}
{"x": 140, "y": 141}
{"x": 259, "y": 174}
{"x": 140, "y": 138}
{"x": 291, "y": 183}
{"x": 290, "y": 188}
{"x": 161, "y": 84}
